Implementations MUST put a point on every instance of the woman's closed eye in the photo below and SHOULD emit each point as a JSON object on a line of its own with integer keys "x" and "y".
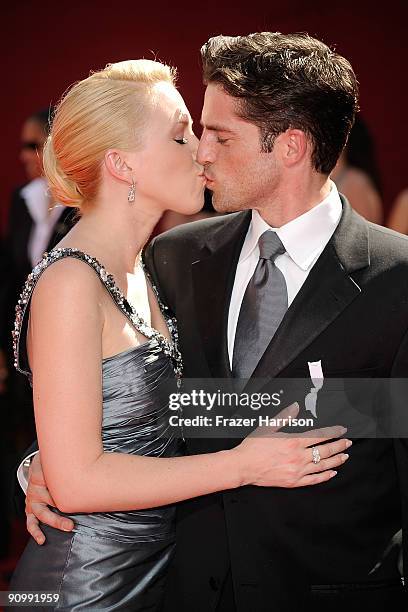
{"x": 181, "y": 140}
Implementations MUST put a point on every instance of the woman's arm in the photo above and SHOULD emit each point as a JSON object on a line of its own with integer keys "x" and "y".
{"x": 65, "y": 348}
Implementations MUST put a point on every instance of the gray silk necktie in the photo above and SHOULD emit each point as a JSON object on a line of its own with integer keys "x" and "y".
{"x": 263, "y": 307}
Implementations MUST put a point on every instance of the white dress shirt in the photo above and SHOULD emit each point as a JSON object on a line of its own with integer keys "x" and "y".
{"x": 304, "y": 239}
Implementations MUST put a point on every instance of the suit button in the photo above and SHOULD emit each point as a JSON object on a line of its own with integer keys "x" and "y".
{"x": 214, "y": 583}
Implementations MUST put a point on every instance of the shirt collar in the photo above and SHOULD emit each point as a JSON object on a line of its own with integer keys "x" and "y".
{"x": 305, "y": 237}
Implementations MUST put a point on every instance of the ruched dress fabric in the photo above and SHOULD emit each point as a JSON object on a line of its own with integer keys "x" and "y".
{"x": 115, "y": 560}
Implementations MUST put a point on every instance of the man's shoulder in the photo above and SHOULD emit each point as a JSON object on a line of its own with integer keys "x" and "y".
{"x": 385, "y": 242}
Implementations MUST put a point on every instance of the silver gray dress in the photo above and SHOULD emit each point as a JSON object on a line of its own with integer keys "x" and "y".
{"x": 112, "y": 560}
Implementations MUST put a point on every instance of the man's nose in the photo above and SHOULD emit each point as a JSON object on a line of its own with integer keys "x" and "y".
{"x": 205, "y": 153}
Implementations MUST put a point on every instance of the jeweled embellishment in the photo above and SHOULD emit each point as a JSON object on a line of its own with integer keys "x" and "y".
{"x": 169, "y": 348}
{"x": 103, "y": 274}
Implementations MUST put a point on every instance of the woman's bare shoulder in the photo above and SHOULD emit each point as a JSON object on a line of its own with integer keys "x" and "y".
{"x": 68, "y": 283}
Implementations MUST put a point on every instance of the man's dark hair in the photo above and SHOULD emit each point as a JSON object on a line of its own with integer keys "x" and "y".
{"x": 287, "y": 81}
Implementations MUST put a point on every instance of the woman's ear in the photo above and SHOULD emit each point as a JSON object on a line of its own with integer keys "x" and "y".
{"x": 117, "y": 165}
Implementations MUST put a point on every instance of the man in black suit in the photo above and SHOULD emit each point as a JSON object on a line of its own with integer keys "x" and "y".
{"x": 276, "y": 116}
{"x": 35, "y": 224}
{"x": 277, "y": 113}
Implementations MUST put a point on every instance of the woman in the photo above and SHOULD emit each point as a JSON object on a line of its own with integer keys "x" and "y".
{"x": 101, "y": 345}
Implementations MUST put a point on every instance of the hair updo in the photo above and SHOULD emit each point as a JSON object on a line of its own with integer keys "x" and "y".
{"x": 107, "y": 109}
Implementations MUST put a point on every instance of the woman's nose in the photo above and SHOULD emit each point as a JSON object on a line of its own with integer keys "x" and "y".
{"x": 194, "y": 144}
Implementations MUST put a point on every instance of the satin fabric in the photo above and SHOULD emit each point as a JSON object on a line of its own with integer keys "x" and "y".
{"x": 116, "y": 560}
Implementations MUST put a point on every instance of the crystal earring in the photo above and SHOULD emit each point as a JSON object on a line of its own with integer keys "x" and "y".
{"x": 131, "y": 194}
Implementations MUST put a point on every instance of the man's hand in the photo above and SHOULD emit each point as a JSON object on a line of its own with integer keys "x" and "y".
{"x": 37, "y": 501}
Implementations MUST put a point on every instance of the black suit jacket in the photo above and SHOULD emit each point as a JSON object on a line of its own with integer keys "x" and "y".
{"x": 335, "y": 545}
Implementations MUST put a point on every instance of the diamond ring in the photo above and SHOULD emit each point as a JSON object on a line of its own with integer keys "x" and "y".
{"x": 315, "y": 455}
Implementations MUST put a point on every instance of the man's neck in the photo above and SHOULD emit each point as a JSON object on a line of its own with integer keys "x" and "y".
{"x": 288, "y": 204}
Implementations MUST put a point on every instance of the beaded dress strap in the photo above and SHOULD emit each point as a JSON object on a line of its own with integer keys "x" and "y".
{"x": 170, "y": 348}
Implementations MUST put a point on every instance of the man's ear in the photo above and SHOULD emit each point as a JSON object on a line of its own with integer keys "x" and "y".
{"x": 117, "y": 165}
{"x": 295, "y": 145}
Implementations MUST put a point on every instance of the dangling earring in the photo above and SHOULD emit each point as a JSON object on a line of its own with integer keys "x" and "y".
{"x": 131, "y": 194}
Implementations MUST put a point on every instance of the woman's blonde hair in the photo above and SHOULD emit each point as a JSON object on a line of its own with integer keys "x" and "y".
{"x": 106, "y": 110}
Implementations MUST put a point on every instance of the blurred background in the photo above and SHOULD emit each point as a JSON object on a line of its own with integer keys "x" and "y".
{"x": 47, "y": 46}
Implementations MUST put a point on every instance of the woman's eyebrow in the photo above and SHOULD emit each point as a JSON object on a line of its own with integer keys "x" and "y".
{"x": 181, "y": 117}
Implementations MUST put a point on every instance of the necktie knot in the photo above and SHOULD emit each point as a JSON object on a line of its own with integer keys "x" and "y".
{"x": 270, "y": 246}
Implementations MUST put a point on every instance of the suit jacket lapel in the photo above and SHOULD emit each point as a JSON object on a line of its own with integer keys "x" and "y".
{"x": 213, "y": 279}
{"x": 327, "y": 291}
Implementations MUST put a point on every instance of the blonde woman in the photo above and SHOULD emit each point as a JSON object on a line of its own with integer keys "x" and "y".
{"x": 100, "y": 343}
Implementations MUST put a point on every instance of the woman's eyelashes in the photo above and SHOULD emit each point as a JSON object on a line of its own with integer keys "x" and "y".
{"x": 181, "y": 140}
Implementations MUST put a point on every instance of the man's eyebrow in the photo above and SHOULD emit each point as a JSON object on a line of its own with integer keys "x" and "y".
{"x": 215, "y": 127}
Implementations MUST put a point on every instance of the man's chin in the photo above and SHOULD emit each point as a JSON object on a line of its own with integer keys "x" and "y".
{"x": 222, "y": 205}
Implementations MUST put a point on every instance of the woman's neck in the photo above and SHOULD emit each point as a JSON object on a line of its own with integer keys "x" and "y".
{"x": 114, "y": 235}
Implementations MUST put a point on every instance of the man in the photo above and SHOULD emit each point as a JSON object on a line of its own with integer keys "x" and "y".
{"x": 35, "y": 225}
{"x": 321, "y": 285}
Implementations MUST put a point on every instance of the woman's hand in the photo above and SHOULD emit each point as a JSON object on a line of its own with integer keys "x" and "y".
{"x": 37, "y": 501}
{"x": 270, "y": 458}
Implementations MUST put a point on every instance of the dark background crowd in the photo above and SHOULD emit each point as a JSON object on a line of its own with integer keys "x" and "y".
{"x": 47, "y": 46}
